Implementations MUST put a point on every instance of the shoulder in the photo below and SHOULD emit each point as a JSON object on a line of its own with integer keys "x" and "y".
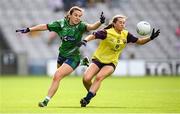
{"x": 61, "y": 20}
{"x": 103, "y": 31}
{"x": 100, "y": 34}
{"x": 56, "y": 25}
{"x": 56, "y": 22}
{"x": 82, "y": 26}
{"x": 131, "y": 38}
{"x": 83, "y": 23}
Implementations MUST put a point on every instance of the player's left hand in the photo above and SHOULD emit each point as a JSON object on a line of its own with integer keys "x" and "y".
{"x": 154, "y": 34}
{"x": 102, "y": 18}
{"x": 83, "y": 42}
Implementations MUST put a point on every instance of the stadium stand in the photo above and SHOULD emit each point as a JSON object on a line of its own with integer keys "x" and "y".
{"x": 163, "y": 14}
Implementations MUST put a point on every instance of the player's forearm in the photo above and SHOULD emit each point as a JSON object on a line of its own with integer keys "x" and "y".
{"x": 94, "y": 26}
{"x": 40, "y": 27}
{"x": 142, "y": 41}
{"x": 89, "y": 38}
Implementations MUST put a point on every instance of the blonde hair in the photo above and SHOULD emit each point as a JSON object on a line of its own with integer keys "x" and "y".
{"x": 114, "y": 20}
{"x": 72, "y": 10}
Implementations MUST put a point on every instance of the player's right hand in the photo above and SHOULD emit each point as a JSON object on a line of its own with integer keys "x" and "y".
{"x": 83, "y": 42}
{"x": 23, "y": 30}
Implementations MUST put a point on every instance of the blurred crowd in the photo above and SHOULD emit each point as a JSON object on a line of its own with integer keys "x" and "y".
{"x": 59, "y": 5}
{"x": 65, "y": 5}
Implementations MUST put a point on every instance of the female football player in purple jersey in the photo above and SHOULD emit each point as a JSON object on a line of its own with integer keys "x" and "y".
{"x": 114, "y": 39}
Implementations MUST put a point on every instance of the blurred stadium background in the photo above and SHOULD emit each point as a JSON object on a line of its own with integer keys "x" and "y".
{"x": 33, "y": 57}
{"x": 31, "y": 54}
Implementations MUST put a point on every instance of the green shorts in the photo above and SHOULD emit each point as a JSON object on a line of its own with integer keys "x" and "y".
{"x": 71, "y": 61}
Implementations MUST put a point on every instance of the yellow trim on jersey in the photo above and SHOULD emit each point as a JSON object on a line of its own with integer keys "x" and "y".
{"x": 111, "y": 47}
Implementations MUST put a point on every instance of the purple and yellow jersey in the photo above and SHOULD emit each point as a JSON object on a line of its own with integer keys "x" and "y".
{"x": 110, "y": 48}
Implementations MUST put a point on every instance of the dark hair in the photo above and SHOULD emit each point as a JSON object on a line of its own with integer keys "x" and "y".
{"x": 72, "y": 10}
{"x": 114, "y": 20}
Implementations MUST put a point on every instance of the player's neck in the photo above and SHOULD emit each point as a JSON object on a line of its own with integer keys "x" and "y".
{"x": 70, "y": 23}
{"x": 118, "y": 31}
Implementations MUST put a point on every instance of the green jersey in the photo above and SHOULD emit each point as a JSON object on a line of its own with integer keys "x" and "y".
{"x": 70, "y": 36}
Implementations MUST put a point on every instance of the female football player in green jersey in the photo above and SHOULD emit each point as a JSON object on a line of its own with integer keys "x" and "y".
{"x": 70, "y": 30}
{"x": 114, "y": 39}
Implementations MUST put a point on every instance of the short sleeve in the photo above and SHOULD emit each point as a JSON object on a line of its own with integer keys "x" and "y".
{"x": 101, "y": 34}
{"x": 54, "y": 26}
{"x": 83, "y": 26}
{"x": 131, "y": 38}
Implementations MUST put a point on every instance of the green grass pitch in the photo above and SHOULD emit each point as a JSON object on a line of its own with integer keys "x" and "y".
{"x": 21, "y": 94}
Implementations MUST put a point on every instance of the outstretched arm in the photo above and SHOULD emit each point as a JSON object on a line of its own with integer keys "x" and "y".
{"x": 101, "y": 34}
{"x": 144, "y": 40}
{"x": 40, "y": 27}
{"x": 96, "y": 24}
{"x": 84, "y": 42}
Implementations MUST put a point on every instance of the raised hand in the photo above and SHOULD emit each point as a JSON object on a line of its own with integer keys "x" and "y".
{"x": 102, "y": 18}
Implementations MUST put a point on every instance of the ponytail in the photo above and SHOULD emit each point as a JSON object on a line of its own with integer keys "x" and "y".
{"x": 109, "y": 26}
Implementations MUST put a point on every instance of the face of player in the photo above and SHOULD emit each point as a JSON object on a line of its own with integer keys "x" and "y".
{"x": 75, "y": 17}
{"x": 119, "y": 25}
